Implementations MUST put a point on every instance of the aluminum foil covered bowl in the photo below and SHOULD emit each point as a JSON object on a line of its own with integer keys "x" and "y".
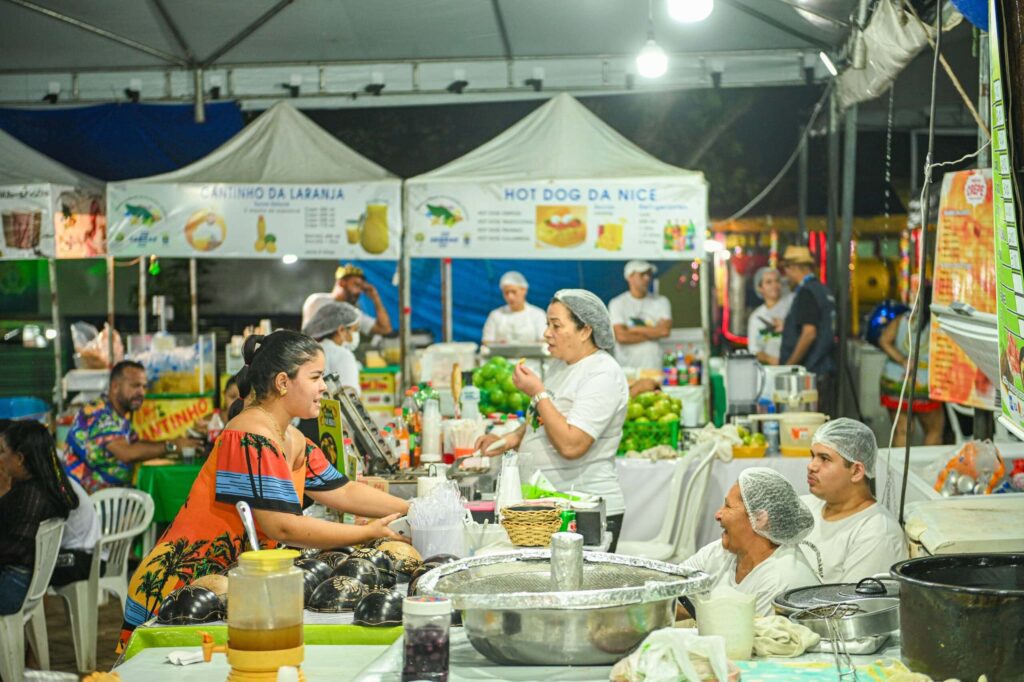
{"x": 527, "y": 608}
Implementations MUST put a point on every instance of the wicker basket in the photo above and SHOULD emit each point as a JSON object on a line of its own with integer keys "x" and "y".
{"x": 531, "y": 528}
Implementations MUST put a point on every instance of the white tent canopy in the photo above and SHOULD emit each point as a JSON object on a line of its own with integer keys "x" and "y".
{"x": 282, "y": 145}
{"x": 48, "y": 209}
{"x": 22, "y": 165}
{"x": 561, "y": 139}
{"x": 560, "y": 183}
{"x": 282, "y": 185}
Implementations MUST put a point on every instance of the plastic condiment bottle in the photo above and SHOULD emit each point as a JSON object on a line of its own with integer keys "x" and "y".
{"x": 431, "y": 436}
{"x": 426, "y": 621}
{"x": 401, "y": 434}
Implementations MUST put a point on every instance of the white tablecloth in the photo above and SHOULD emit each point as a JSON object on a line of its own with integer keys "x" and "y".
{"x": 645, "y": 486}
{"x": 322, "y": 664}
{"x": 725, "y": 474}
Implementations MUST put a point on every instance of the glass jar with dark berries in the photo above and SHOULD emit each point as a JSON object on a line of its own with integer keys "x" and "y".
{"x": 426, "y": 621}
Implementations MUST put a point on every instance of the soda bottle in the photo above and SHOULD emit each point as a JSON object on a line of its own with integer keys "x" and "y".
{"x": 401, "y": 434}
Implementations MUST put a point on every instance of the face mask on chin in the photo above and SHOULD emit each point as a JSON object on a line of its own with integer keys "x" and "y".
{"x": 353, "y": 343}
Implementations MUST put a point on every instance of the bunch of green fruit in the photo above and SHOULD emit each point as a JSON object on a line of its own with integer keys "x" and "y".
{"x": 751, "y": 439}
{"x": 648, "y": 408}
{"x": 500, "y": 393}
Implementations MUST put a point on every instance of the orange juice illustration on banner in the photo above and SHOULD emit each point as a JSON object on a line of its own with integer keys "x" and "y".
{"x": 375, "y": 227}
{"x": 609, "y": 236}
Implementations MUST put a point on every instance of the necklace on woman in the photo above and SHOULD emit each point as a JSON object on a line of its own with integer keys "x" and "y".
{"x": 283, "y": 434}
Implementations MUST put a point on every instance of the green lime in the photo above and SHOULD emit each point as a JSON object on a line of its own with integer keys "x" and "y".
{"x": 514, "y": 402}
{"x": 497, "y": 398}
{"x": 508, "y": 385}
{"x": 634, "y": 411}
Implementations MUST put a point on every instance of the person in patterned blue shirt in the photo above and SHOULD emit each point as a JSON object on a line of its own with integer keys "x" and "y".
{"x": 101, "y": 447}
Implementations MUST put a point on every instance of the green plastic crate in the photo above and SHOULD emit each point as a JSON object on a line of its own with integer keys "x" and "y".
{"x": 649, "y": 434}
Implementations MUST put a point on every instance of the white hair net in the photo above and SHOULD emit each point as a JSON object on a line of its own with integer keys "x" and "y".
{"x": 854, "y": 442}
{"x": 329, "y": 317}
{"x": 513, "y": 279}
{"x": 775, "y": 510}
{"x": 592, "y": 312}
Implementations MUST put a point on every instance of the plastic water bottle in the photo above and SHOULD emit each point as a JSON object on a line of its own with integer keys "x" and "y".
{"x": 214, "y": 427}
{"x": 771, "y": 433}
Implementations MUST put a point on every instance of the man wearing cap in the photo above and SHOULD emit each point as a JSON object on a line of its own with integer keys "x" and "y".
{"x": 855, "y": 536}
{"x": 350, "y": 283}
{"x": 808, "y": 333}
{"x": 517, "y": 321}
{"x": 639, "y": 318}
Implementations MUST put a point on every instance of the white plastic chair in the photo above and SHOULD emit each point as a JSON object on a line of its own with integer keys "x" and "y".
{"x": 693, "y": 509}
{"x": 663, "y": 544}
{"x": 124, "y": 513}
{"x": 12, "y": 627}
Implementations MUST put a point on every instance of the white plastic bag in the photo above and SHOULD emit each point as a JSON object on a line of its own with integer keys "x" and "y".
{"x": 672, "y": 655}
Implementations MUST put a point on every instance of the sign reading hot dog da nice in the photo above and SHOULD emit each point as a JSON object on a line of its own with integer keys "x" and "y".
{"x": 658, "y": 219}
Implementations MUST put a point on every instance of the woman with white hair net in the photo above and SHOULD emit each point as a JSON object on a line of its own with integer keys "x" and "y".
{"x": 336, "y": 326}
{"x": 764, "y": 326}
{"x": 855, "y": 535}
{"x": 517, "y": 321}
{"x": 763, "y": 521}
{"x": 574, "y": 423}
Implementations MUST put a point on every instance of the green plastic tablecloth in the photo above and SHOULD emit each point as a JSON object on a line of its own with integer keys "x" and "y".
{"x": 168, "y": 485}
{"x": 188, "y": 636}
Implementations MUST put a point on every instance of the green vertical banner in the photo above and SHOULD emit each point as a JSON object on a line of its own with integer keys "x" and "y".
{"x": 1009, "y": 272}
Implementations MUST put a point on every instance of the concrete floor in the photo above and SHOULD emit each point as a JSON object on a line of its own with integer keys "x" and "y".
{"x": 62, "y": 651}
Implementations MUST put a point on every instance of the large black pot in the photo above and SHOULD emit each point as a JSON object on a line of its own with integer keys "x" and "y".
{"x": 962, "y": 615}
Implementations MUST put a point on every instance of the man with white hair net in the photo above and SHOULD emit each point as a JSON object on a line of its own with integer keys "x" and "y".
{"x": 574, "y": 422}
{"x": 639, "y": 318}
{"x": 855, "y": 535}
{"x": 336, "y": 326}
{"x": 763, "y": 521}
{"x": 517, "y": 321}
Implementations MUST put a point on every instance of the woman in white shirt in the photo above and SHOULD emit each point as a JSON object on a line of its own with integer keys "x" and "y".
{"x": 762, "y": 522}
{"x": 575, "y": 419}
{"x": 855, "y": 536}
{"x": 336, "y": 326}
{"x": 517, "y": 321}
{"x": 764, "y": 326}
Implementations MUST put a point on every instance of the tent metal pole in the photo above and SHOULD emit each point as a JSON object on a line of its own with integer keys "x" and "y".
{"x": 774, "y": 23}
{"x": 193, "y": 296}
{"x": 110, "y": 311}
{"x": 705, "y": 323}
{"x": 200, "y": 105}
{"x": 58, "y": 364}
{"x": 142, "y": 296}
{"x": 404, "y": 305}
{"x": 109, "y": 35}
{"x": 842, "y": 276}
{"x": 446, "y": 299}
{"x": 244, "y": 33}
{"x": 801, "y": 192}
{"x": 984, "y": 108}
{"x": 175, "y": 31}
{"x": 833, "y": 192}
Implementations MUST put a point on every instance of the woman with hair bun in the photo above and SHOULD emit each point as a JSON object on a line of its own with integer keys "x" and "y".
{"x": 33, "y": 488}
{"x": 261, "y": 459}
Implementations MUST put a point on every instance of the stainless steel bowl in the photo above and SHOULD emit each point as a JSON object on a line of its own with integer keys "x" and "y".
{"x": 514, "y": 614}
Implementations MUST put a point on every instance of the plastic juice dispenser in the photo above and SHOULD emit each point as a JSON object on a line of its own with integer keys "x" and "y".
{"x": 264, "y": 616}
{"x": 744, "y": 377}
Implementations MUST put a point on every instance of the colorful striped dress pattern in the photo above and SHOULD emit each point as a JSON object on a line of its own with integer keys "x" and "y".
{"x": 207, "y": 535}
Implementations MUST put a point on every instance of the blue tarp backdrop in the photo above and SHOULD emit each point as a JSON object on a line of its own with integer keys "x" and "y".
{"x": 122, "y": 141}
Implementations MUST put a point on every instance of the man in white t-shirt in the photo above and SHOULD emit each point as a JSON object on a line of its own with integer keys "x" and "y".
{"x": 762, "y": 522}
{"x": 639, "y": 318}
{"x": 350, "y": 283}
{"x": 517, "y": 321}
{"x": 855, "y": 536}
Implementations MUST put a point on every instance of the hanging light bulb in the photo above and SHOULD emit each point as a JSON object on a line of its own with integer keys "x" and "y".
{"x": 690, "y": 11}
{"x": 652, "y": 62}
